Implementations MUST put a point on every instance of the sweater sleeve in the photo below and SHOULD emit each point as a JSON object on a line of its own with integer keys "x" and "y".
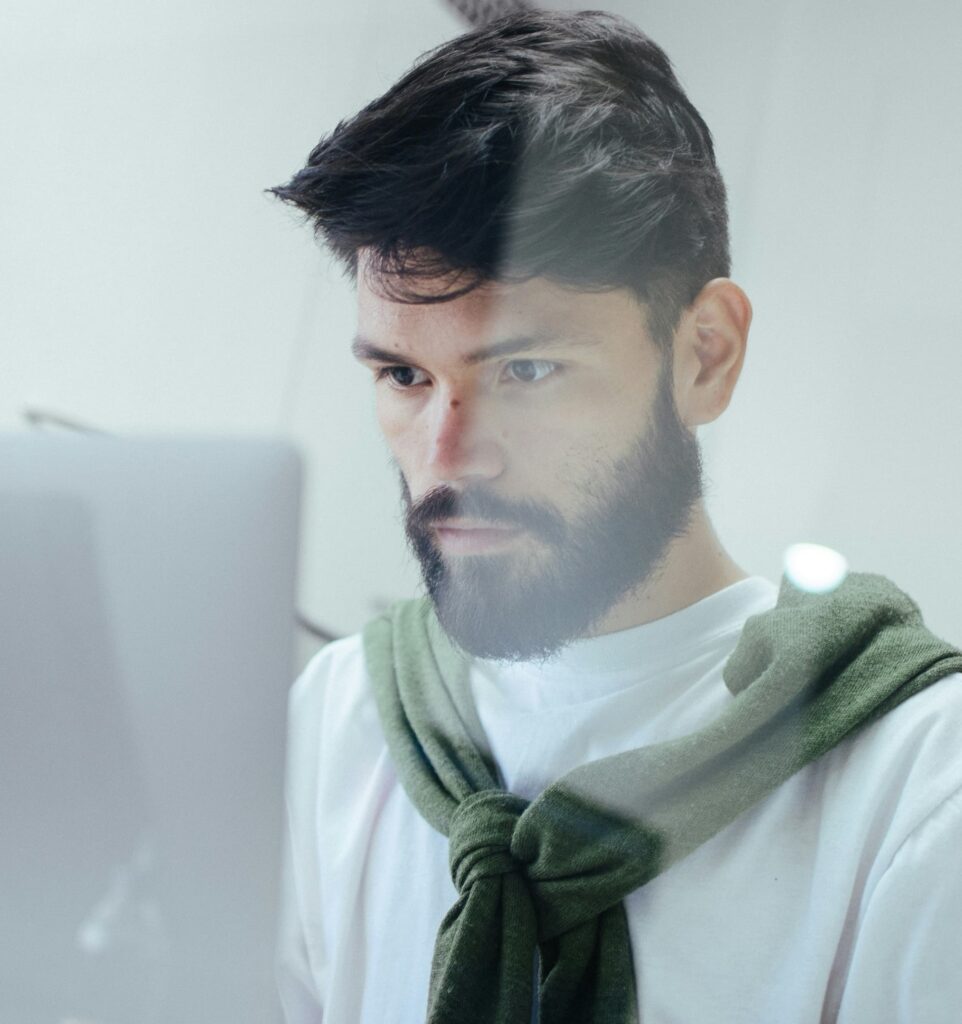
{"x": 906, "y": 960}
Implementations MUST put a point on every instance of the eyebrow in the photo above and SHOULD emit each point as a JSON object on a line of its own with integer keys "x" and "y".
{"x": 367, "y": 350}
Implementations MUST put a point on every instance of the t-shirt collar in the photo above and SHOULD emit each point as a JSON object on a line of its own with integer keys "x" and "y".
{"x": 673, "y": 638}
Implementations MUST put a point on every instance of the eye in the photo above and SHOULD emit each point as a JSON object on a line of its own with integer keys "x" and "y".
{"x": 401, "y": 377}
{"x": 530, "y": 371}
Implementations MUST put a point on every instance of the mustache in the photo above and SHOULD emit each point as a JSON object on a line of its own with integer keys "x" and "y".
{"x": 443, "y": 502}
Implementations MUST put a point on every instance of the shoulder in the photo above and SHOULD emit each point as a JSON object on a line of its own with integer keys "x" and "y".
{"x": 333, "y": 693}
{"x": 333, "y": 725}
{"x": 923, "y": 735}
{"x": 903, "y": 769}
{"x": 337, "y": 680}
{"x": 335, "y": 676}
{"x": 907, "y": 920}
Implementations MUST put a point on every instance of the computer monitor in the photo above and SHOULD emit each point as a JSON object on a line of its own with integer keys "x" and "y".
{"x": 146, "y": 648}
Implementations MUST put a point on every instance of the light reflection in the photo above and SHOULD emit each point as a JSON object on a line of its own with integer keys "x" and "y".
{"x": 814, "y": 567}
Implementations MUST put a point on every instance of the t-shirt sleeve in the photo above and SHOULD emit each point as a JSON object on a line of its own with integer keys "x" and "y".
{"x": 906, "y": 960}
{"x": 300, "y": 959}
{"x": 299, "y": 997}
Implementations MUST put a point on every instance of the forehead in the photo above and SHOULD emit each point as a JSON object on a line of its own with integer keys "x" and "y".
{"x": 494, "y": 311}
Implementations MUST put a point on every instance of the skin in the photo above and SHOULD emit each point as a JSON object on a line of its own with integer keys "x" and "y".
{"x": 526, "y": 423}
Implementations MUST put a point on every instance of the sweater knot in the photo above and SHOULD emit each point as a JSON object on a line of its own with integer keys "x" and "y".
{"x": 482, "y": 828}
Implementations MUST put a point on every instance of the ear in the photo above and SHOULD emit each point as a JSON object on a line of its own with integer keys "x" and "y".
{"x": 709, "y": 350}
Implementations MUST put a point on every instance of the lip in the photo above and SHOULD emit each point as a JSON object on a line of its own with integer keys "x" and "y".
{"x": 465, "y": 538}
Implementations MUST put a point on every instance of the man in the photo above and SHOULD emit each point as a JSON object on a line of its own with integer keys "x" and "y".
{"x": 601, "y": 773}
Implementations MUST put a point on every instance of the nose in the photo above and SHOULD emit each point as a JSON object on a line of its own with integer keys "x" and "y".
{"x": 463, "y": 442}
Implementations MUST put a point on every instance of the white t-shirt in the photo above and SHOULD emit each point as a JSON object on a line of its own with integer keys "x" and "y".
{"x": 838, "y": 898}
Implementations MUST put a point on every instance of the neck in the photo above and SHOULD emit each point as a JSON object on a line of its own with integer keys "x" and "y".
{"x": 695, "y": 566}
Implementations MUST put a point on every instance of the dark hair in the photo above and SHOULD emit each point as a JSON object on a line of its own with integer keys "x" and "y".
{"x": 543, "y": 144}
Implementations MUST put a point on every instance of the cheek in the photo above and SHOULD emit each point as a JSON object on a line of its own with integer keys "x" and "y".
{"x": 558, "y": 466}
{"x": 398, "y": 428}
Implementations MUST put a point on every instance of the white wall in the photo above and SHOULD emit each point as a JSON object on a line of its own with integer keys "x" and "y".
{"x": 149, "y": 285}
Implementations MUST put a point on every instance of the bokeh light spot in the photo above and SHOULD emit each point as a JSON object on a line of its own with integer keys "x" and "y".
{"x": 814, "y": 567}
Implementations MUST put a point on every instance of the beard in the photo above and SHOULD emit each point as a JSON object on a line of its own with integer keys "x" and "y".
{"x": 512, "y": 607}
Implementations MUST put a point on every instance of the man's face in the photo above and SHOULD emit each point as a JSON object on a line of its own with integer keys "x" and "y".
{"x": 543, "y": 466}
